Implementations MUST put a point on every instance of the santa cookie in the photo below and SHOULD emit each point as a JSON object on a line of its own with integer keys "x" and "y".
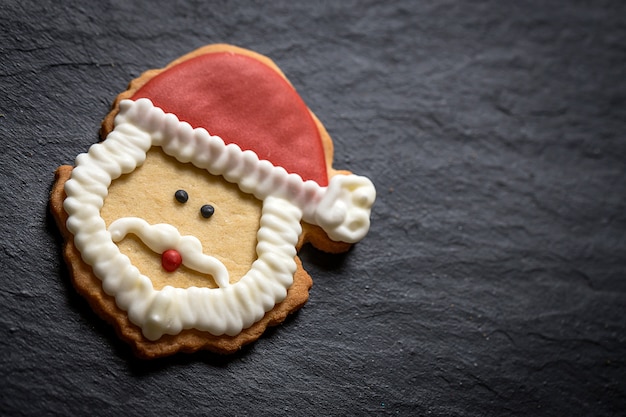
{"x": 182, "y": 226}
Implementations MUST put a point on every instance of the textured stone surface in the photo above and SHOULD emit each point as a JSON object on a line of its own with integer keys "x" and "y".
{"x": 493, "y": 281}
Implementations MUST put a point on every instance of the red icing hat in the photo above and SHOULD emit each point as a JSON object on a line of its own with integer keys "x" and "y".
{"x": 246, "y": 102}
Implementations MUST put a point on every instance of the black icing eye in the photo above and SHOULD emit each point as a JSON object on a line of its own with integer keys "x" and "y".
{"x": 181, "y": 196}
{"x": 207, "y": 211}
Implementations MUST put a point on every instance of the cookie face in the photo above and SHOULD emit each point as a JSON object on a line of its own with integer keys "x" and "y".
{"x": 223, "y": 218}
{"x": 182, "y": 227}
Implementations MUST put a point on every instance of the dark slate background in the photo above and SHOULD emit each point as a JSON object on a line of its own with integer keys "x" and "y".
{"x": 493, "y": 281}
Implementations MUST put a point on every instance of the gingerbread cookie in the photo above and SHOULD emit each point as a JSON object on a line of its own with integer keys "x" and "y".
{"x": 182, "y": 226}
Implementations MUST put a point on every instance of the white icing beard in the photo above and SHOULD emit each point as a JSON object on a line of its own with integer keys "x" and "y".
{"x": 342, "y": 209}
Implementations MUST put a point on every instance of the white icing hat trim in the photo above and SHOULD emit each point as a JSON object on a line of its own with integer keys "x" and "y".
{"x": 342, "y": 209}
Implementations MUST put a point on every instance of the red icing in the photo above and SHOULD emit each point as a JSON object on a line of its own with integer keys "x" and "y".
{"x": 245, "y": 102}
{"x": 171, "y": 260}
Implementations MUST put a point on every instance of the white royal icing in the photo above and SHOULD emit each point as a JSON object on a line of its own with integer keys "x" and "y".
{"x": 161, "y": 237}
{"x": 342, "y": 209}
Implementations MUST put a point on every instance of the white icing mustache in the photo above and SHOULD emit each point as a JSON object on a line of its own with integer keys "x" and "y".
{"x": 161, "y": 237}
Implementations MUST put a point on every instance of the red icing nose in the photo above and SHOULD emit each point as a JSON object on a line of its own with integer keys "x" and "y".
{"x": 171, "y": 260}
